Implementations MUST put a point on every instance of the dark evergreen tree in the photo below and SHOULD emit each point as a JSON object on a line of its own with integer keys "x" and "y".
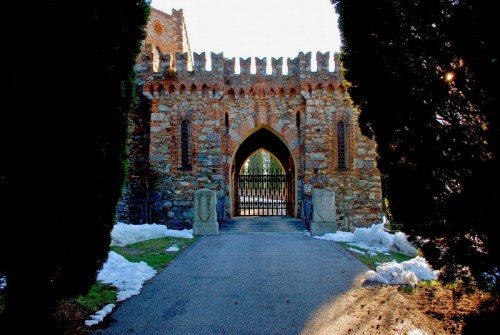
{"x": 256, "y": 163}
{"x": 69, "y": 81}
{"x": 424, "y": 76}
{"x": 275, "y": 166}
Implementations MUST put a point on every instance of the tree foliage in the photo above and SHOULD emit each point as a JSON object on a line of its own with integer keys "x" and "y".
{"x": 424, "y": 76}
{"x": 275, "y": 166}
{"x": 262, "y": 162}
{"x": 70, "y": 79}
{"x": 256, "y": 163}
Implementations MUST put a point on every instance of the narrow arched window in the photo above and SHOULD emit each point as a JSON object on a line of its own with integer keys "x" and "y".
{"x": 341, "y": 145}
{"x": 185, "y": 152}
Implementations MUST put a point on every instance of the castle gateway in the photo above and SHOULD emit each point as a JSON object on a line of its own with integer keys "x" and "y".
{"x": 193, "y": 128}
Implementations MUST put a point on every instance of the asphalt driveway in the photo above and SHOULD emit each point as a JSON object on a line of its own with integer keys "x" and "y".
{"x": 256, "y": 283}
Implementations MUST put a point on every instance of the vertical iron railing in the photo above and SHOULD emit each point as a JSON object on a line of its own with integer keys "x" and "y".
{"x": 262, "y": 194}
{"x": 307, "y": 211}
{"x": 221, "y": 209}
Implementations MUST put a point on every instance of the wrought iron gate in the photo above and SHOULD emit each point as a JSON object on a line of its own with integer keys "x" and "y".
{"x": 264, "y": 195}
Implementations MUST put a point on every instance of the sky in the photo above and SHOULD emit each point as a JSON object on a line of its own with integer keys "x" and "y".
{"x": 259, "y": 28}
{"x": 129, "y": 277}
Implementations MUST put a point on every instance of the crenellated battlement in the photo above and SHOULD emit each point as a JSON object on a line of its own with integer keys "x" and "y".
{"x": 171, "y": 78}
{"x": 301, "y": 64}
{"x": 166, "y": 56}
{"x": 168, "y": 74}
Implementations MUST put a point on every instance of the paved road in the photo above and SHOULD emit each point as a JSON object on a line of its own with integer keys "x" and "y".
{"x": 244, "y": 284}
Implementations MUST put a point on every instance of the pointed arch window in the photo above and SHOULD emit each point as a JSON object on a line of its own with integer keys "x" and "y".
{"x": 186, "y": 164}
{"x": 343, "y": 141}
{"x": 226, "y": 120}
{"x": 341, "y": 145}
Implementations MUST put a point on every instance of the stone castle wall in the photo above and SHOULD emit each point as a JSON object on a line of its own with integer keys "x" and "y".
{"x": 167, "y": 34}
{"x": 301, "y": 108}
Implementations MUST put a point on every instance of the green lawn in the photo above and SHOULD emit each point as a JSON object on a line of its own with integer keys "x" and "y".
{"x": 373, "y": 261}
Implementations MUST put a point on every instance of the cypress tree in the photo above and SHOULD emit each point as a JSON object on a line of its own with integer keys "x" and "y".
{"x": 256, "y": 163}
{"x": 71, "y": 80}
{"x": 423, "y": 76}
{"x": 275, "y": 166}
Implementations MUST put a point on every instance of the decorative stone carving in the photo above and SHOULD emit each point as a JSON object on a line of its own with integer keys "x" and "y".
{"x": 324, "y": 212}
{"x": 205, "y": 213}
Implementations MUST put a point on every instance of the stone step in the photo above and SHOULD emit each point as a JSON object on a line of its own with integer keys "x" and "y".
{"x": 262, "y": 224}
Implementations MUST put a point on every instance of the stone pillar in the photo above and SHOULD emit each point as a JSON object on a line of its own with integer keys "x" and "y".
{"x": 324, "y": 212}
{"x": 205, "y": 213}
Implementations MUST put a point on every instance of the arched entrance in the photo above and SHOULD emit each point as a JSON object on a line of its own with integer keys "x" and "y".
{"x": 264, "y": 192}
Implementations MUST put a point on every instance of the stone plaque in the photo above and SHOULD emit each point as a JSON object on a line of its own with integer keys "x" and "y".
{"x": 323, "y": 206}
{"x": 324, "y": 212}
{"x": 205, "y": 213}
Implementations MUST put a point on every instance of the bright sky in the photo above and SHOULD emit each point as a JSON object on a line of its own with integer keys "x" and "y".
{"x": 258, "y": 28}
{"x": 129, "y": 277}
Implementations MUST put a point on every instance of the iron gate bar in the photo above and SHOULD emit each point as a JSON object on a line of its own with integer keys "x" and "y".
{"x": 264, "y": 194}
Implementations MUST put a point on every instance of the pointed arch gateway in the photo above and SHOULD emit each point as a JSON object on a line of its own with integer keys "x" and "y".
{"x": 264, "y": 192}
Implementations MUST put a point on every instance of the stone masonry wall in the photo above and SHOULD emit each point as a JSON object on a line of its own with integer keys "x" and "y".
{"x": 280, "y": 103}
{"x": 167, "y": 34}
